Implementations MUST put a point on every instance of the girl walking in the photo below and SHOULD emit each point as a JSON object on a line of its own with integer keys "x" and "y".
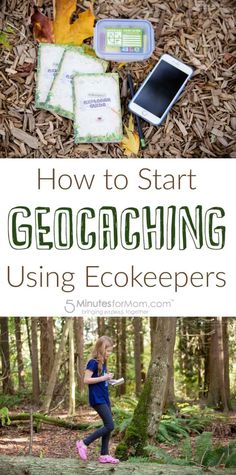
{"x": 97, "y": 378}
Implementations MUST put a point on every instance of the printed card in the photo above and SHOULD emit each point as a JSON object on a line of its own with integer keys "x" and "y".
{"x": 97, "y": 110}
{"x": 74, "y": 60}
{"x": 49, "y": 57}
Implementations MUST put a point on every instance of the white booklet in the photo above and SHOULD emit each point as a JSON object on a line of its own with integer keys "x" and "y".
{"x": 49, "y": 58}
{"x": 97, "y": 109}
{"x": 74, "y": 60}
{"x": 116, "y": 382}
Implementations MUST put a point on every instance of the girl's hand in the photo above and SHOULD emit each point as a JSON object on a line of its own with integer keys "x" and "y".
{"x": 108, "y": 376}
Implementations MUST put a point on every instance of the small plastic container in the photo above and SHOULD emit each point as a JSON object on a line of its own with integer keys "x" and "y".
{"x": 124, "y": 40}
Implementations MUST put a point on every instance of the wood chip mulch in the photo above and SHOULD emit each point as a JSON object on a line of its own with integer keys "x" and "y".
{"x": 202, "y": 123}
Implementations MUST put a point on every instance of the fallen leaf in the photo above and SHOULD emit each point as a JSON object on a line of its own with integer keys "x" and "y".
{"x": 42, "y": 27}
{"x": 89, "y": 50}
{"x": 121, "y": 65}
{"x": 131, "y": 123}
{"x": 72, "y": 33}
{"x": 4, "y": 40}
{"x": 130, "y": 142}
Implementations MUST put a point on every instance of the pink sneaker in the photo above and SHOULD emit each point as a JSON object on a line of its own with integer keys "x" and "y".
{"x": 107, "y": 459}
{"x": 82, "y": 449}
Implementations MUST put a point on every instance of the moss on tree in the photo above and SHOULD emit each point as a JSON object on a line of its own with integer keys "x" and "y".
{"x": 136, "y": 433}
{"x": 148, "y": 412}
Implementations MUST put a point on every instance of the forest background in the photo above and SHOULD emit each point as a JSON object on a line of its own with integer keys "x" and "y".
{"x": 177, "y": 405}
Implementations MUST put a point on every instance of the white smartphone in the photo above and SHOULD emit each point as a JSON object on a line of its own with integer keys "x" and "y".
{"x": 160, "y": 90}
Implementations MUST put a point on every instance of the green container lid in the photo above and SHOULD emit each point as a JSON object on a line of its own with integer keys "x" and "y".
{"x": 124, "y": 40}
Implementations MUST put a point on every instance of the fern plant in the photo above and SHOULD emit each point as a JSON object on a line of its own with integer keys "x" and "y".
{"x": 221, "y": 455}
{"x": 186, "y": 450}
{"x": 172, "y": 429}
{"x": 203, "y": 444}
{"x": 162, "y": 457}
{"x": 231, "y": 461}
{"x": 204, "y": 455}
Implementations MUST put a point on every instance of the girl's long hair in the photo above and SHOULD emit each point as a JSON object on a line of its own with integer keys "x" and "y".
{"x": 98, "y": 352}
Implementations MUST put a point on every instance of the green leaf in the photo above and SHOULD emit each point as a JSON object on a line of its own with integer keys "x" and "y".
{"x": 203, "y": 444}
{"x": 231, "y": 461}
{"x": 186, "y": 449}
{"x": 232, "y": 445}
{"x": 213, "y": 458}
{"x": 4, "y": 40}
{"x": 162, "y": 456}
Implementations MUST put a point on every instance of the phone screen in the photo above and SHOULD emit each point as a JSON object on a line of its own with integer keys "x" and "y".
{"x": 161, "y": 88}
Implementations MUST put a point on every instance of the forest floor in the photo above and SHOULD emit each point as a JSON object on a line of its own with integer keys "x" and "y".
{"x": 202, "y": 123}
{"x": 57, "y": 442}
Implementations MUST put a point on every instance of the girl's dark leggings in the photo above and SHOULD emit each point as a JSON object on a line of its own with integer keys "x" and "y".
{"x": 104, "y": 432}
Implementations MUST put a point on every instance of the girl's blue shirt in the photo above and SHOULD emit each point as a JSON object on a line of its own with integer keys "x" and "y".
{"x": 98, "y": 392}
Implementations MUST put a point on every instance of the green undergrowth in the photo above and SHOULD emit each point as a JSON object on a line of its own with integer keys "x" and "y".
{"x": 201, "y": 453}
{"x": 189, "y": 421}
{"x": 4, "y": 416}
{"x": 13, "y": 400}
{"x": 81, "y": 398}
{"x": 187, "y": 429}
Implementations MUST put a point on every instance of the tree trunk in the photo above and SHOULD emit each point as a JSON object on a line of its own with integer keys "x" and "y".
{"x": 111, "y": 329}
{"x": 137, "y": 354}
{"x": 45, "y": 466}
{"x": 35, "y": 363}
{"x": 118, "y": 352}
{"x": 46, "y": 350}
{"x": 217, "y": 383}
{"x": 149, "y": 409}
{"x": 71, "y": 368}
{"x": 213, "y": 390}
{"x": 143, "y": 374}
{"x": 226, "y": 360}
{"x": 19, "y": 355}
{"x": 7, "y": 386}
{"x": 123, "y": 359}
{"x": 222, "y": 364}
{"x": 56, "y": 367}
{"x": 170, "y": 399}
{"x": 27, "y": 323}
{"x": 207, "y": 341}
{"x": 153, "y": 323}
{"x": 79, "y": 342}
{"x": 56, "y": 421}
{"x": 101, "y": 326}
